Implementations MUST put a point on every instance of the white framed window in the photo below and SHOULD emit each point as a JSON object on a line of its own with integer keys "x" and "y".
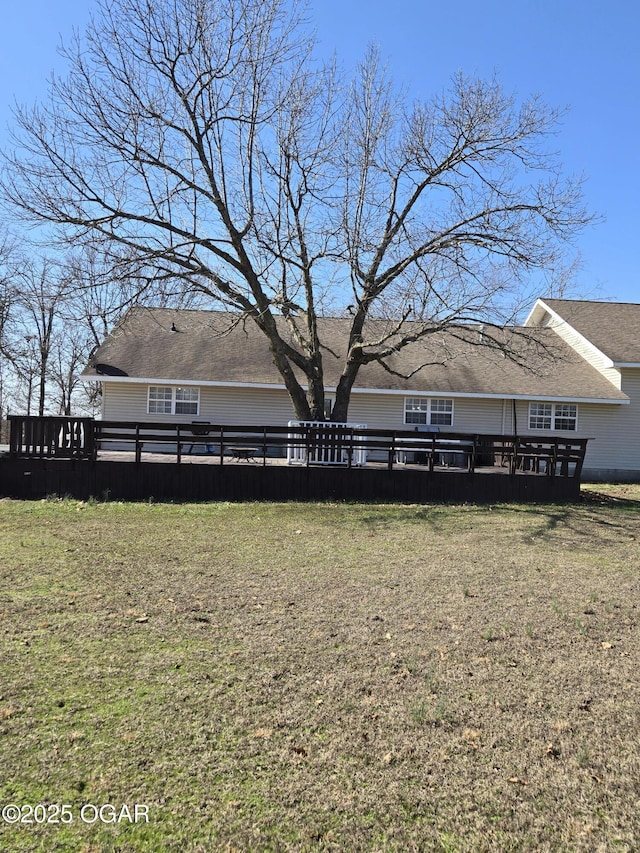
{"x": 556, "y": 416}
{"x": 160, "y": 400}
{"x": 187, "y": 401}
{"x": 416, "y": 410}
{"x": 428, "y": 411}
{"x": 565, "y": 416}
{"x": 540, "y": 415}
{"x": 441, "y": 412}
{"x": 173, "y": 400}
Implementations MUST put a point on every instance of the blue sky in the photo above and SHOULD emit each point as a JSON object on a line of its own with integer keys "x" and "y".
{"x": 583, "y": 55}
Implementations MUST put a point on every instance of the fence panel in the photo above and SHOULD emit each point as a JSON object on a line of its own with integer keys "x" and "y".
{"x": 322, "y": 444}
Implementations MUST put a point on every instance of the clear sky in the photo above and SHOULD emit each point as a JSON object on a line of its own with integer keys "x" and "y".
{"x": 582, "y": 54}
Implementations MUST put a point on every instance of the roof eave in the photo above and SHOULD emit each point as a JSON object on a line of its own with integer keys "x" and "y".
{"x": 538, "y": 308}
{"x": 398, "y": 392}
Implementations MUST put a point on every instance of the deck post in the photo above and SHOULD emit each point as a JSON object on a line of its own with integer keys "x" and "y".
{"x": 583, "y": 448}
{"x": 472, "y": 455}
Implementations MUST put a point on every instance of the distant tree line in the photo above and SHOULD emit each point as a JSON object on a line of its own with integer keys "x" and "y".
{"x": 54, "y": 311}
{"x": 46, "y": 334}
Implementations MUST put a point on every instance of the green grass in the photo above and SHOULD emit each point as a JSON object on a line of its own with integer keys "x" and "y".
{"x": 322, "y": 677}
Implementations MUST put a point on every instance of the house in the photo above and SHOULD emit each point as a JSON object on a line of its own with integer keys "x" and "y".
{"x": 576, "y": 373}
{"x": 607, "y": 336}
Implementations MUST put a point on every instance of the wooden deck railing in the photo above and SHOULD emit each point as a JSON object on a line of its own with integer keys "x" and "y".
{"x": 83, "y": 438}
{"x": 63, "y": 437}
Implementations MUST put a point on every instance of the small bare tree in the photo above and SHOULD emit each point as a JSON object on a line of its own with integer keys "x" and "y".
{"x": 202, "y": 140}
{"x": 67, "y": 358}
{"x": 8, "y": 299}
{"x": 7, "y": 290}
{"x": 42, "y": 288}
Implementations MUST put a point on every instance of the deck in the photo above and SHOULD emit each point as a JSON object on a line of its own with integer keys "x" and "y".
{"x": 111, "y": 460}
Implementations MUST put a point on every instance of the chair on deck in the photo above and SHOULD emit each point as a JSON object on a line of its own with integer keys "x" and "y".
{"x": 424, "y": 456}
{"x": 201, "y": 429}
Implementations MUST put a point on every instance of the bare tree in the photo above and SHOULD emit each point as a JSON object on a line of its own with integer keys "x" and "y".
{"x": 201, "y": 140}
{"x": 103, "y": 288}
{"x": 7, "y": 289}
{"x": 97, "y": 297}
{"x": 8, "y": 298}
{"x": 49, "y": 323}
{"x": 100, "y": 294}
{"x": 42, "y": 288}
{"x": 68, "y": 356}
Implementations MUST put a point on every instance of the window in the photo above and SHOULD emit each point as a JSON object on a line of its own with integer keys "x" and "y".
{"x": 160, "y": 400}
{"x": 441, "y": 412}
{"x": 169, "y": 400}
{"x": 187, "y": 400}
{"x": 424, "y": 410}
{"x": 416, "y": 410}
{"x": 557, "y": 416}
{"x": 540, "y": 415}
{"x": 565, "y": 415}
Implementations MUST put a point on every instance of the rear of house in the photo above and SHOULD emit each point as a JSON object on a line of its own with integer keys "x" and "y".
{"x": 181, "y": 366}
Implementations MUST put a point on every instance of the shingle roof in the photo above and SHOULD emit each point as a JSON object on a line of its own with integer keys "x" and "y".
{"x": 203, "y": 348}
{"x": 613, "y": 327}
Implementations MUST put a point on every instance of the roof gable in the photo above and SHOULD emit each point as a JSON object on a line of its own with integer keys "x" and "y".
{"x": 613, "y": 328}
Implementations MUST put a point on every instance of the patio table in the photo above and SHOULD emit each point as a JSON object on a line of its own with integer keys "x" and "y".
{"x": 242, "y": 453}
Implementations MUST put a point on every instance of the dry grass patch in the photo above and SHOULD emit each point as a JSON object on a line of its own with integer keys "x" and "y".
{"x": 326, "y": 677}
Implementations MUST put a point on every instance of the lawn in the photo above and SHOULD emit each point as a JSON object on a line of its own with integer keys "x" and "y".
{"x": 289, "y": 677}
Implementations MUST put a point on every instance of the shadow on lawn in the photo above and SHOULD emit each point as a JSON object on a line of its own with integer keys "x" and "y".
{"x": 585, "y": 521}
{"x": 595, "y": 498}
{"x": 595, "y": 516}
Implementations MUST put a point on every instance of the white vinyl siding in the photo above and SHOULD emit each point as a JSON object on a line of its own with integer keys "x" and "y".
{"x": 609, "y": 428}
{"x": 616, "y": 434}
{"x": 613, "y": 430}
{"x": 127, "y": 401}
{"x": 123, "y": 401}
{"x": 246, "y": 406}
{"x": 386, "y": 411}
